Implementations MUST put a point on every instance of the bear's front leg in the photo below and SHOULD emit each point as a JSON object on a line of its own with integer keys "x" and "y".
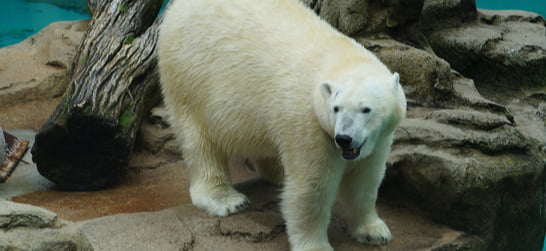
{"x": 358, "y": 192}
{"x": 309, "y": 194}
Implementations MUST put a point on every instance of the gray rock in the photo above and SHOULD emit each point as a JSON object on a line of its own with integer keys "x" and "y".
{"x": 13, "y": 215}
{"x": 503, "y": 51}
{"x": 141, "y": 231}
{"x": 469, "y": 119}
{"x": 64, "y": 239}
{"x": 157, "y": 138}
{"x": 426, "y": 78}
{"x": 26, "y": 227}
{"x": 39, "y": 67}
{"x": 441, "y": 14}
{"x": 366, "y": 17}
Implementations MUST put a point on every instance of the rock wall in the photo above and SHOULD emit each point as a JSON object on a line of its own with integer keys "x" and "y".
{"x": 472, "y": 151}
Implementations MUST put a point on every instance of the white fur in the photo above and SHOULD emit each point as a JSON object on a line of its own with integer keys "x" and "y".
{"x": 247, "y": 78}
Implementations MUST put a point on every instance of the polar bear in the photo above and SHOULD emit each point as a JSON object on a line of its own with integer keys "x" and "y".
{"x": 271, "y": 81}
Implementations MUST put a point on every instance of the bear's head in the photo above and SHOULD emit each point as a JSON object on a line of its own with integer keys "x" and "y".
{"x": 357, "y": 112}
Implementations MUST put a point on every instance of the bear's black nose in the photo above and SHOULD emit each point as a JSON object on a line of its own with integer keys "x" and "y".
{"x": 343, "y": 141}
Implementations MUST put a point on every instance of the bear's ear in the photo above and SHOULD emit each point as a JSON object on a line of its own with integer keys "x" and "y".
{"x": 326, "y": 90}
{"x": 396, "y": 79}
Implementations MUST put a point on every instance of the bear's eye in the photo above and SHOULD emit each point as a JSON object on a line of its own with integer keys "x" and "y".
{"x": 336, "y": 109}
{"x": 366, "y": 110}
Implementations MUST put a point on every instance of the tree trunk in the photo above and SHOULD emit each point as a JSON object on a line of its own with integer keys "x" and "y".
{"x": 84, "y": 145}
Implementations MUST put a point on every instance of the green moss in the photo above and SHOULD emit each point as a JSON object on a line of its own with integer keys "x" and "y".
{"x": 122, "y": 7}
{"x": 67, "y": 96}
{"x": 126, "y": 118}
{"x": 87, "y": 109}
{"x": 129, "y": 39}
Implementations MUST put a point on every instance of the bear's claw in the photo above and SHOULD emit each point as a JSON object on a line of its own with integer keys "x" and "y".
{"x": 373, "y": 234}
{"x": 245, "y": 204}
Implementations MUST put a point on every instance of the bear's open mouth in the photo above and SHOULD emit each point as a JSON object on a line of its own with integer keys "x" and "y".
{"x": 350, "y": 154}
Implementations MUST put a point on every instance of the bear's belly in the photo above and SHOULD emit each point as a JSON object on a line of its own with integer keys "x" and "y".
{"x": 240, "y": 135}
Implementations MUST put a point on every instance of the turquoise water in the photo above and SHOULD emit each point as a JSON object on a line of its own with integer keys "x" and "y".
{"x": 538, "y": 6}
{"x": 20, "y": 19}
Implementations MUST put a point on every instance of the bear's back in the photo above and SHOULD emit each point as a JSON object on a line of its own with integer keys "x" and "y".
{"x": 246, "y": 68}
{"x": 253, "y": 42}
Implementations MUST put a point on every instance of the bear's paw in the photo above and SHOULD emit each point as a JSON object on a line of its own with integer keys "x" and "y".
{"x": 375, "y": 233}
{"x": 220, "y": 201}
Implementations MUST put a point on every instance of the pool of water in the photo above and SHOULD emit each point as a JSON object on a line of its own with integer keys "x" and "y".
{"x": 20, "y": 19}
{"x": 538, "y": 6}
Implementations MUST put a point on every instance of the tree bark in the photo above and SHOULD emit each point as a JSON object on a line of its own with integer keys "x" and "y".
{"x": 85, "y": 143}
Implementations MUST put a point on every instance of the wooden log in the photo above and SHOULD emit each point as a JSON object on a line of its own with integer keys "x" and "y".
{"x": 85, "y": 143}
{"x": 12, "y": 150}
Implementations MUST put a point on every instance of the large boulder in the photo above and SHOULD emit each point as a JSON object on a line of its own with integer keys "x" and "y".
{"x": 503, "y": 51}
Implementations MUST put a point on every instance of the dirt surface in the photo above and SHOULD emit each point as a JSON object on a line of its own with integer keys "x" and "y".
{"x": 30, "y": 115}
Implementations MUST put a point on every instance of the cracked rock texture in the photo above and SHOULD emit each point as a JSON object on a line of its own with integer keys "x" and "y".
{"x": 26, "y": 227}
{"x": 499, "y": 49}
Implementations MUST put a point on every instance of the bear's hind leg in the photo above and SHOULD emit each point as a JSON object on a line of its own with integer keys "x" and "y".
{"x": 210, "y": 184}
{"x": 270, "y": 170}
